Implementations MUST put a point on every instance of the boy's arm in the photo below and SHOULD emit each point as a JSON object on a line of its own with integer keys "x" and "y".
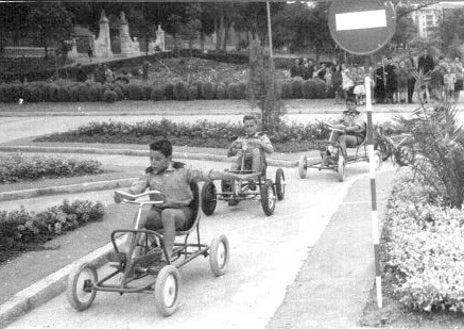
{"x": 139, "y": 186}
{"x": 266, "y": 144}
{"x": 233, "y": 149}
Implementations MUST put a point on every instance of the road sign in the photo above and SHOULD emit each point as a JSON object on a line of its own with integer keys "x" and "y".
{"x": 362, "y": 27}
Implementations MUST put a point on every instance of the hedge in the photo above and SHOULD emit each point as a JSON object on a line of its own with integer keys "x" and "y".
{"x": 62, "y": 91}
{"x": 423, "y": 248}
{"x": 16, "y": 167}
{"x": 21, "y": 230}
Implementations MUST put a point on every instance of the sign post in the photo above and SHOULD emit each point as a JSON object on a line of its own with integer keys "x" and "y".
{"x": 362, "y": 27}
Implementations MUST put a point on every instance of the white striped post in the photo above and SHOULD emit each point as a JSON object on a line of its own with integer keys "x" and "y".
{"x": 375, "y": 218}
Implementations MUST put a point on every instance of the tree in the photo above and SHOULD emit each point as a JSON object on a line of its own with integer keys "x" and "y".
{"x": 263, "y": 89}
{"x": 406, "y": 30}
{"x": 49, "y": 22}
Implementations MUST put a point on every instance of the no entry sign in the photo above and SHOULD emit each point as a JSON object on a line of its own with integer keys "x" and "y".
{"x": 362, "y": 27}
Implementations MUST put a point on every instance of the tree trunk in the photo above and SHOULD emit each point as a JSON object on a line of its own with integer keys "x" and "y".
{"x": 226, "y": 37}
{"x": 221, "y": 29}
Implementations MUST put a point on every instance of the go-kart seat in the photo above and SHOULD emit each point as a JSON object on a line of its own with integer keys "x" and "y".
{"x": 263, "y": 164}
{"x": 194, "y": 205}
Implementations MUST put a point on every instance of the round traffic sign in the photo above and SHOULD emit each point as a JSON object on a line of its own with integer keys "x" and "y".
{"x": 362, "y": 27}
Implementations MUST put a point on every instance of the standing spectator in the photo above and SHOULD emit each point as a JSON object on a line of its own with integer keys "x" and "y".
{"x": 425, "y": 65}
{"x": 347, "y": 82}
{"x": 458, "y": 70}
{"x": 449, "y": 80}
{"x": 80, "y": 74}
{"x": 359, "y": 90}
{"x": 437, "y": 82}
{"x": 379, "y": 84}
{"x": 321, "y": 72}
{"x": 402, "y": 78}
{"x": 336, "y": 82}
{"x": 145, "y": 67}
{"x": 411, "y": 67}
{"x": 295, "y": 70}
{"x": 308, "y": 69}
{"x": 109, "y": 75}
{"x": 390, "y": 80}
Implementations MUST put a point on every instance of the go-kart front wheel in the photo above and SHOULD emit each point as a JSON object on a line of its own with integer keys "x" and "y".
{"x": 167, "y": 290}
{"x": 268, "y": 197}
{"x": 280, "y": 184}
{"x": 303, "y": 166}
{"x": 219, "y": 255}
{"x": 208, "y": 198}
{"x": 341, "y": 168}
{"x": 79, "y": 291}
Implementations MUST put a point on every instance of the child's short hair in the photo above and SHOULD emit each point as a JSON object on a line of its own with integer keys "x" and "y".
{"x": 248, "y": 117}
{"x": 350, "y": 99}
{"x": 163, "y": 146}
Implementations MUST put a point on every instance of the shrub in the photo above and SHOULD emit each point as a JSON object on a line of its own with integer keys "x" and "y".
{"x": 286, "y": 90}
{"x": 95, "y": 93}
{"x": 221, "y": 91}
{"x": 242, "y": 87}
{"x": 21, "y": 230}
{"x": 64, "y": 94}
{"x": 423, "y": 247}
{"x": 320, "y": 89}
{"x": 169, "y": 91}
{"x": 199, "y": 86}
{"x": 135, "y": 92}
{"x": 16, "y": 168}
{"x": 297, "y": 88}
{"x": 309, "y": 89}
{"x": 74, "y": 93}
{"x": 180, "y": 91}
{"x": 147, "y": 90}
{"x": 233, "y": 91}
{"x": 12, "y": 92}
{"x": 193, "y": 93}
{"x": 208, "y": 91}
{"x": 83, "y": 92}
{"x": 110, "y": 96}
{"x": 119, "y": 92}
{"x": 54, "y": 93}
{"x": 157, "y": 94}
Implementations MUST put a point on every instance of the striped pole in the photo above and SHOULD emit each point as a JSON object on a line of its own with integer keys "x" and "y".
{"x": 375, "y": 218}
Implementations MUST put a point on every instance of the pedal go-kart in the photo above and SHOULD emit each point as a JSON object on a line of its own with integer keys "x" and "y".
{"x": 338, "y": 161}
{"x": 258, "y": 188}
{"x": 162, "y": 278}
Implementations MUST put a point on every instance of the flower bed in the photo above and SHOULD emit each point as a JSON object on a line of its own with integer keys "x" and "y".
{"x": 21, "y": 230}
{"x": 16, "y": 168}
{"x": 290, "y": 138}
{"x": 423, "y": 248}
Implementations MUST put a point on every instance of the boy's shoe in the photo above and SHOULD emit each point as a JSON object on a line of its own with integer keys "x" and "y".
{"x": 232, "y": 202}
{"x": 252, "y": 185}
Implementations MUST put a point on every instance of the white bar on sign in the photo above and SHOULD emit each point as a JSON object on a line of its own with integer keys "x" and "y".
{"x": 358, "y": 20}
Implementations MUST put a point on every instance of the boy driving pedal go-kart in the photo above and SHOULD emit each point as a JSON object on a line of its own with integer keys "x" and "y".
{"x": 251, "y": 149}
{"x": 349, "y": 131}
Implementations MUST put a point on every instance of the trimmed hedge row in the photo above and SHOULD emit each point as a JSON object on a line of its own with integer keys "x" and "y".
{"x": 423, "y": 248}
{"x": 21, "y": 230}
{"x": 16, "y": 168}
{"x": 63, "y": 91}
{"x": 201, "y": 133}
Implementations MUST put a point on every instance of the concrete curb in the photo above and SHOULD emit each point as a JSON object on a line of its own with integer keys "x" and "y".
{"x": 66, "y": 189}
{"x": 47, "y": 288}
{"x": 95, "y": 150}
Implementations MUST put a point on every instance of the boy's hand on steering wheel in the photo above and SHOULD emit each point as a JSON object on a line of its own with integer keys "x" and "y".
{"x": 117, "y": 197}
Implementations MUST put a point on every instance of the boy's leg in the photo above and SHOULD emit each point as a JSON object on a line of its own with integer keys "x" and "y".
{"x": 173, "y": 219}
{"x": 237, "y": 164}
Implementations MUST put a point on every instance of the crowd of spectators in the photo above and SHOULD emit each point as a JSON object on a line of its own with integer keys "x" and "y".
{"x": 393, "y": 81}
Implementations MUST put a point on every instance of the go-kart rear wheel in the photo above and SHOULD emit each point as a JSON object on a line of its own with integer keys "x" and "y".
{"x": 208, "y": 198}
{"x": 341, "y": 168}
{"x": 377, "y": 160}
{"x": 303, "y": 166}
{"x": 280, "y": 184}
{"x": 166, "y": 292}
{"x": 79, "y": 290}
{"x": 268, "y": 197}
{"x": 219, "y": 255}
